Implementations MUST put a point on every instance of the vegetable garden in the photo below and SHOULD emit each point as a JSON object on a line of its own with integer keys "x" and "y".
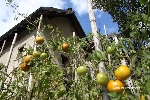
{"x": 86, "y": 79}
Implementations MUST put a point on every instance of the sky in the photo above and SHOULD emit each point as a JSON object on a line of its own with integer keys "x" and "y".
{"x": 7, "y": 14}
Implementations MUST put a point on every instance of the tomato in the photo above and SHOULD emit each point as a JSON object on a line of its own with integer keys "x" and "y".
{"x": 24, "y": 67}
{"x": 39, "y": 40}
{"x": 36, "y": 53}
{"x": 65, "y": 46}
{"x": 82, "y": 70}
{"x": 28, "y": 58}
{"x": 43, "y": 55}
{"x": 59, "y": 47}
{"x": 99, "y": 55}
{"x": 122, "y": 72}
{"x": 102, "y": 79}
{"x": 110, "y": 50}
{"x": 115, "y": 85}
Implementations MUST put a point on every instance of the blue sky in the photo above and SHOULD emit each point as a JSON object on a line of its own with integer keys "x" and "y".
{"x": 79, "y": 6}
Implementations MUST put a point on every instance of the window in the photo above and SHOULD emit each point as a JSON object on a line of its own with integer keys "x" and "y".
{"x": 20, "y": 51}
{"x": 65, "y": 60}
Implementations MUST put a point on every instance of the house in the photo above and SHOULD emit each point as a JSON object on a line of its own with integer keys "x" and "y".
{"x": 64, "y": 19}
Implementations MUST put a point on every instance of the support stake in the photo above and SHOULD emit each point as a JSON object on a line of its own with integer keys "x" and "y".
{"x": 97, "y": 44}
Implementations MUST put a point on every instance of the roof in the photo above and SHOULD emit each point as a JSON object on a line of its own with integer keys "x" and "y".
{"x": 49, "y": 12}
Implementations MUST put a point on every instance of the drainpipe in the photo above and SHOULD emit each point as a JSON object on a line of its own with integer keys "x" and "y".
{"x": 10, "y": 52}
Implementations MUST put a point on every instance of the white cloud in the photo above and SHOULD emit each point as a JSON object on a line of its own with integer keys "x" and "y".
{"x": 81, "y": 7}
{"x": 28, "y": 6}
{"x": 25, "y": 6}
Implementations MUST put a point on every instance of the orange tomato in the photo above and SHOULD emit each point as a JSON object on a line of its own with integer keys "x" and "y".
{"x": 28, "y": 58}
{"x": 65, "y": 46}
{"x": 122, "y": 72}
{"x": 115, "y": 85}
{"x": 39, "y": 40}
{"x": 24, "y": 67}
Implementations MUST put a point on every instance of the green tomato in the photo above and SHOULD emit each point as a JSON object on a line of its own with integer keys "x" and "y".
{"x": 36, "y": 53}
{"x": 59, "y": 47}
{"x": 43, "y": 55}
{"x": 82, "y": 70}
{"x": 102, "y": 79}
{"x": 110, "y": 50}
{"x": 98, "y": 55}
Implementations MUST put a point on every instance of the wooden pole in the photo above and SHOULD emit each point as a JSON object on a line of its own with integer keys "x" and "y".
{"x": 10, "y": 52}
{"x": 2, "y": 47}
{"x": 109, "y": 58}
{"x": 97, "y": 44}
{"x": 75, "y": 63}
{"x": 107, "y": 37}
{"x": 35, "y": 45}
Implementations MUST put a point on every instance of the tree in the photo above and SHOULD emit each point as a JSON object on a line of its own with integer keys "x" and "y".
{"x": 119, "y": 10}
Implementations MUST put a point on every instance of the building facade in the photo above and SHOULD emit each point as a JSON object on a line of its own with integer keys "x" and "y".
{"x": 65, "y": 20}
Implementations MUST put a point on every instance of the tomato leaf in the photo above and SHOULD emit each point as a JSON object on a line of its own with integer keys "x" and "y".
{"x": 61, "y": 93}
{"x": 113, "y": 94}
{"x": 147, "y": 87}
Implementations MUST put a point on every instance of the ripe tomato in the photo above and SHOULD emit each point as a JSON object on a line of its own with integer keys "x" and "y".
{"x": 115, "y": 85}
{"x": 28, "y": 58}
{"x": 24, "y": 67}
{"x": 39, "y": 40}
{"x": 102, "y": 79}
{"x": 122, "y": 72}
{"x": 81, "y": 70}
{"x": 65, "y": 46}
{"x": 43, "y": 55}
{"x": 36, "y": 53}
{"x": 110, "y": 50}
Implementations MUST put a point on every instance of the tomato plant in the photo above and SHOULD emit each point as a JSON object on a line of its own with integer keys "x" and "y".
{"x": 56, "y": 62}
